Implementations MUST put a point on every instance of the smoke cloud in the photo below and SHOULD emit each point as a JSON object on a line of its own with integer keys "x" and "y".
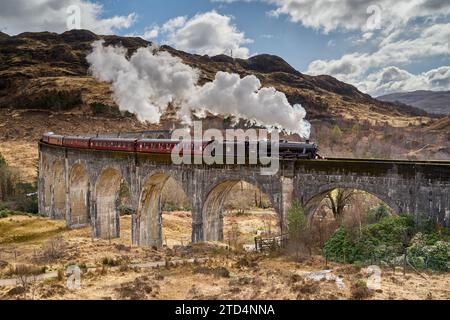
{"x": 147, "y": 82}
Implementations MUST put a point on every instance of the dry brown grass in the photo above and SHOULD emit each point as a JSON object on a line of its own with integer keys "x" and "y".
{"x": 251, "y": 276}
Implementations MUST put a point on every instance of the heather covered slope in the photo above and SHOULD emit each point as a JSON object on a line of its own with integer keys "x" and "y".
{"x": 49, "y": 71}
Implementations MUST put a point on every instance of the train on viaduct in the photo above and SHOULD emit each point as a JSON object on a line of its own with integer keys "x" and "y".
{"x": 82, "y": 187}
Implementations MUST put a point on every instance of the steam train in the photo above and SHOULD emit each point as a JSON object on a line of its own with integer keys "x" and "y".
{"x": 286, "y": 149}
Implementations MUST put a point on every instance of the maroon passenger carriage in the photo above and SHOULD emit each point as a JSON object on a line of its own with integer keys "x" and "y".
{"x": 156, "y": 146}
{"x": 77, "y": 142}
{"x": 57, "y": 140}
{"x": 289, "y": 150}
{"x": 114, "y": 144}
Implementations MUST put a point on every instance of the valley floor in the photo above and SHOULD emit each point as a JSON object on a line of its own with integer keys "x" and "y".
{"x": 109, "y": 268}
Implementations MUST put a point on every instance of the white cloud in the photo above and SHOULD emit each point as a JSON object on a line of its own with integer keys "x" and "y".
{"x": 393, "y": 79}
{"x": 206, "y": 33}
{"x": 402, "y": 32}
{"x": 151, "y": 33}
{"x": 364, "y": 15}
{"x": 51, "y": 15}
{"x": 173, "y": 24}
{"x": 397, "y": 49}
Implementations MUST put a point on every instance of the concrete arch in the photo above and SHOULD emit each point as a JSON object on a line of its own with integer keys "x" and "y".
{"x": 79, "y": 195}
{"x": 107, "y": 198}
{"x": 149, "y": 213}
{"x": 212, "y": 209}
{"x": 265, "y": 185}
{"x": 311, "y": 204}
{"x": 58, "y": 190}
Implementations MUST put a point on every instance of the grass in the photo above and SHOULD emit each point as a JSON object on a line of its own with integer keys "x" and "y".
{"x": 6, "y": 213}
{"x": 26, "y": 230}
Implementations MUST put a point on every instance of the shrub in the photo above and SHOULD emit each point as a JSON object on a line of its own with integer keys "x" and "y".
{"x": 111, "y": 262}
{"x": 342, "y": 248}
{"x": 5, "y": 213}
{"x": 100, "y": 109}
{"x": 336, "y": 134}
{"x": 54, "y": 249}
{"x": 387, "y": 240}
{"x": 381, "y": 241}
{"x": 297, "y": 224}
{"x": 15, "y": 196}
{"x": 172, "y": 207}
{"x": 428, "y": 252}
{"x": 377, "y": 213}
{"x": 27, "y": 204}
{"x": 360, "y": 291}
{"x": 52, "y": 100}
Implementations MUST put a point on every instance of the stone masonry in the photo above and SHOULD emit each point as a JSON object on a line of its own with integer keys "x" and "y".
{"x": 83, "y": 186}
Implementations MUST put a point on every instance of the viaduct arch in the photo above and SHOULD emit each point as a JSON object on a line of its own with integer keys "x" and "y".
{"x": 82, "y": 187}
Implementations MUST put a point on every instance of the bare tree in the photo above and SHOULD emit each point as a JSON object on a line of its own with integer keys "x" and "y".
{"x": 337, "y": 200}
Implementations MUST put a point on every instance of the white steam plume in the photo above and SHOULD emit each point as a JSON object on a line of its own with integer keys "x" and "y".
{"x": 146, "y": 83}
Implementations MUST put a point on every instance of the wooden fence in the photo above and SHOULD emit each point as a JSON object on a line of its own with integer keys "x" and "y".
{"x": 271, "y": 244}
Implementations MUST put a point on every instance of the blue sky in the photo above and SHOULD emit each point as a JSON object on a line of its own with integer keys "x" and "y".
{"x": 380, "y": 46}
{"x": 294, "y": 43}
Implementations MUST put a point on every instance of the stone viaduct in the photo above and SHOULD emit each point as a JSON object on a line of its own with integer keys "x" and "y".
{"x": 83, "y": 186}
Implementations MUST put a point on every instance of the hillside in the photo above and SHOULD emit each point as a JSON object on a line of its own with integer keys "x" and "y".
{"x": 45, "y": 85}
{"x": 442, "y": 125}
{"x": 49, "y": 71}
{"x": 436, "y": 102}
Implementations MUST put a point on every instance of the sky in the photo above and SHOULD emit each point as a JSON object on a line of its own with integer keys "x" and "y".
{"x": 380, "y": 46}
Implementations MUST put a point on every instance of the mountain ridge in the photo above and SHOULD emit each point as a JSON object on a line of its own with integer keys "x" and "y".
{"x": 434, "y": 102}
{"x": 49, "y": 70}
